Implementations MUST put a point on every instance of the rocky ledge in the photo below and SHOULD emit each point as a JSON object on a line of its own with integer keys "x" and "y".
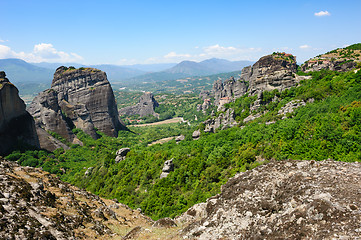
{"x": 283, "y": 200}
{"x": 81, "y": 98}
{"x": 37, "y": 205}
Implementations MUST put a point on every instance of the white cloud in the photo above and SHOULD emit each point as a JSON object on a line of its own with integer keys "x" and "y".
{"x": 213, "y": 51}
{"x": 43, "y": 52}
{"x": 5, "y": 52}
{"x": 305, "y": 46}
{"x": 322, "y": 14}
{"x": 175, "y": 55}
{"x": 2, "y": 40}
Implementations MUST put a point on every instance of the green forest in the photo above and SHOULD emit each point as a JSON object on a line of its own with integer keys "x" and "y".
{"x": 328, "y": 126}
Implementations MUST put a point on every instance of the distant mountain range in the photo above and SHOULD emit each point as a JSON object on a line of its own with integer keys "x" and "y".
{"x": 20, "y": 71}
{"x": 190, "y": 68}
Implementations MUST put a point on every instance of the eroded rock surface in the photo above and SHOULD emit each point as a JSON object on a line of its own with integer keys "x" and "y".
{"x": 37, "y": 205}
{"x": 223, "y": 121}
{"x": 81, "y": 98}
{"x": 144, "y": 107}
{"x": 283, "y": 200}
{"x": 276, "y": 71}
{"x": 16, "y": 124}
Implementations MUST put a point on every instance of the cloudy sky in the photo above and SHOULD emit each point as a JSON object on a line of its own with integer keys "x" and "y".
{"x": 159, "y": 31}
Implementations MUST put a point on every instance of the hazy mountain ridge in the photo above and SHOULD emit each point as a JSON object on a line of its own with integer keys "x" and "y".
{"x": 190, "y": 69}
{"x": 20, "y": 71}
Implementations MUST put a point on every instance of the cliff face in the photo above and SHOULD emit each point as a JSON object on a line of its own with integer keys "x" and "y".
{"x": 229, "y": 90}
{"x": 144, "y": 107}
{"x": 275, "y": 71}
{"x": 81, "y": 98}
{"x": 16, "y": 124}
{"x": 282, "y": 200}
{"x": 272, "y": 72}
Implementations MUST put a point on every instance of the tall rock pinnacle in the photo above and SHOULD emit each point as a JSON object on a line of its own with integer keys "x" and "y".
{"x": 78, "y": 98}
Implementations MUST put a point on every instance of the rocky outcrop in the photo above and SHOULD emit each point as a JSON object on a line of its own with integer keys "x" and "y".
{"x": 276, "y": 71}
{"x": 196, "y": 134}
{"x": 167, "y": 168}
{"x": 341, "y": 60}
{"x": 290, "y": 107}
{"x": 180, "y": 138}
{"x": 16, "y": 124}
{"x": 121, "y": 154}
{"x": 37, "y": 205}
{"x": 144, "y": 107}
{"x": 204, "y": 106}
{"x": 78, "y": 98}
{"x": 229, "y": 90}
{"x": 283, "y": 200}
{"x": 223, "y": 121}
{"x": 328, "y": 64}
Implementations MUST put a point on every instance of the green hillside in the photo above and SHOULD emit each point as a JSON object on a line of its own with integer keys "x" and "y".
{"x": 329, "y": 126}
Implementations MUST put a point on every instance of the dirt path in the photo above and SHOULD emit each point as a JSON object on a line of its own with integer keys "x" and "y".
{"x": 161, "y": 141}
{"x": 173, "y": 120}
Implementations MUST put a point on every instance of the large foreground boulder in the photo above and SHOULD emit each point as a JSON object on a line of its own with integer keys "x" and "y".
{"x": 283, "y": 200}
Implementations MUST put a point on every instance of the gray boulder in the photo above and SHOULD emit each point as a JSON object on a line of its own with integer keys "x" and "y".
{"x": 180, "y": 138}
{"x": 121, "y": 154}
{"x": 196, "y": 134}
{"x": 167, "y": 168}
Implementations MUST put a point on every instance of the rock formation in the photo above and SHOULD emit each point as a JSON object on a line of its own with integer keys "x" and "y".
{"x": 121, "y": 154}
{"x": 283, "y": 200}
{"x": 80, "y": 98}
{"x": 196, "y": 134}
{"x": 180, "y": 138}
{"x": 203, "y": 107}
{"x": 224, "y": 120}
{"x": 229, "y": 90}
{"x": 341, "y": 60}
{"x": 167, "y": 168}
{"x": 276, "y": 71}
{"x": 16, "y": 124}
{"x": 328, "y": 64}
{"x": 144, "y": 107}
{"x": 37, "y": 205}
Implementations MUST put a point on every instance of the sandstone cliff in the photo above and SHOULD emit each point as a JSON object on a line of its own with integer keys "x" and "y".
{"x": 81, "y": 98}
{"x": 16, "y": 124}
{"x": 275, "y": 71}
{"x": 229, "y": 90}
{"x": 144, "y": 107}
{"x": 282, "y": 200}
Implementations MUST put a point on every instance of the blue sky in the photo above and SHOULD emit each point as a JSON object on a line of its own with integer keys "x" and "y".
{"x": 129, "y": 32}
